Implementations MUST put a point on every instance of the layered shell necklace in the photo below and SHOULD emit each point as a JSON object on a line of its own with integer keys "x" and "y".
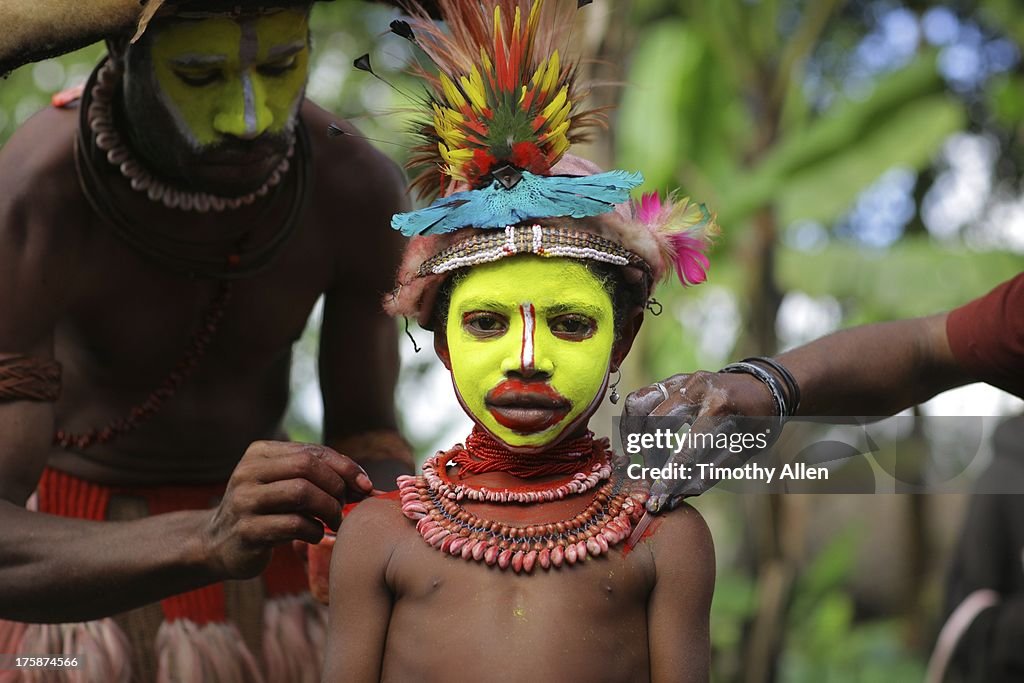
{"x": 433, "y": 501}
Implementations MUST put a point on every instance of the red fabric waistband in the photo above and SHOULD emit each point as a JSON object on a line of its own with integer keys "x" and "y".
{"x": 65, "y": 495}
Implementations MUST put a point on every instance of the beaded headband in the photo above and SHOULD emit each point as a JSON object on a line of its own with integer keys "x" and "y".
{"x": 535, "y": 239}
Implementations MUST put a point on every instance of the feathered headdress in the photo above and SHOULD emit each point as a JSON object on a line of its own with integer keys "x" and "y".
{"x": 503, "y": 107}
{"x": 502, "y": 95}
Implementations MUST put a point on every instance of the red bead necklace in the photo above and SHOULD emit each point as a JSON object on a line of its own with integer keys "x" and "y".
{"x": 483, "y": 453}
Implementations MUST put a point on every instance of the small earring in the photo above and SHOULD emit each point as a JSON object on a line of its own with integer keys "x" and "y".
{"x": 614, "y": 396}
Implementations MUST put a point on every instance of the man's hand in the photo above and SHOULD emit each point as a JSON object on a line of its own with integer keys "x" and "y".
{"x": 711, "y": 403}
{"x": 279, "y": 492}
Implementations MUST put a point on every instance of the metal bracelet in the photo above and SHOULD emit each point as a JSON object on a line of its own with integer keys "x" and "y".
{"x": 768, "y": 379}
{"x": 787, "y": 377}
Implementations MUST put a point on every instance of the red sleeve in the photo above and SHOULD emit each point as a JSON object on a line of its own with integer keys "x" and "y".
{"x": 987, "y": 336}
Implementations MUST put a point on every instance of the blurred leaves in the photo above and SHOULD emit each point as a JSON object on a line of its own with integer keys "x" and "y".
{"x": 912, "y": 278}
{"x": 1006, "y": 100}
{"x": 824, "y": 642}
{"x": 907, "y": 136}
{"x": 1006, "y": 16}
{"x": 677, "y": 113}
{"x": 680, "y": 131}
{"x": 733, "y": 604}
{"x": 29, "y": 89}
{"x": 830, "y": 570}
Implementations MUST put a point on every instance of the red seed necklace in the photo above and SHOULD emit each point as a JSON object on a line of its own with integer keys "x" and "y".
{"x": 586, "y": 461}
{"x": 483, "y": 453}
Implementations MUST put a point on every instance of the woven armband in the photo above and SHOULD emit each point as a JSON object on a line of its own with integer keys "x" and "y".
{"x": 24, "y": 378}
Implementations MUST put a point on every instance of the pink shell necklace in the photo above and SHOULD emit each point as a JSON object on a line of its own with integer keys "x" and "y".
{"x": 433, "y": 502}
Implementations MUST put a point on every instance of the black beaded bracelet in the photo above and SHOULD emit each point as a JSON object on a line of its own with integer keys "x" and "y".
{"x": 787, "y": 377}
{"x": 773, "y": 383}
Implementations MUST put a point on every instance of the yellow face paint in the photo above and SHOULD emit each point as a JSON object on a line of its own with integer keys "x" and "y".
{"x": 530, "y": 341}
{"x": 223, "y": 77}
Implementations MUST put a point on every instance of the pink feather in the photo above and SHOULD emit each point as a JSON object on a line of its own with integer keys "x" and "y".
{"x": 683, "y": 231}
{"x": 649, "y": 208}
{"x": 689, "y": 258}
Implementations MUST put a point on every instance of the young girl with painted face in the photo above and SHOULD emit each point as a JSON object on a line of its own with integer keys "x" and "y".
{"x": 507, "y": 558}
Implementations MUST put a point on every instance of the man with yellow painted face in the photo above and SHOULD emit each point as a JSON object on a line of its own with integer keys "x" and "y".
{"x": 163, "y": 240}
{"x": 217, "y": 106}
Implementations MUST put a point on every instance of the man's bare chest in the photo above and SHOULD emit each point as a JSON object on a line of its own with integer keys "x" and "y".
{"x": 131, "y": 322}
{"x": 223, "y": 351}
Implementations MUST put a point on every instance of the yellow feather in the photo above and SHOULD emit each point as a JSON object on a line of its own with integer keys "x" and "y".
{"x": 559, "y": 146}
{"x": 454, "y": 118}
{"x": 439, "y": 120}
{"x": 456, "y": 159}
{"x": 553, "y": 71}
{"x": 556, "y": 104}
{"x": 538, "y": 75}
{"x": 559, "y": 117}
{"x": 457, "y": 156}
{"x": 553, "y": 133}
{"x": 451, "y": 93}
{"x": 455, "y": 173}
{"x": 448, "y": 126}
{"x": 485, "y": 61}
{"x": 448, "y": 116}
{"x": 453, "y": 137}
{"x": 474, "y": 87}
{"x": 516, "y": 23}
{"x": 531, "y": 22}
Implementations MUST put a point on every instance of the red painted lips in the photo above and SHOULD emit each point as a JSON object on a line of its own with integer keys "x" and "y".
{"x": 526, "y": 407}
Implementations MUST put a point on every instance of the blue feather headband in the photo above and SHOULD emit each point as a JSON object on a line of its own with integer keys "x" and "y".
{"x": 515, "y": 196}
